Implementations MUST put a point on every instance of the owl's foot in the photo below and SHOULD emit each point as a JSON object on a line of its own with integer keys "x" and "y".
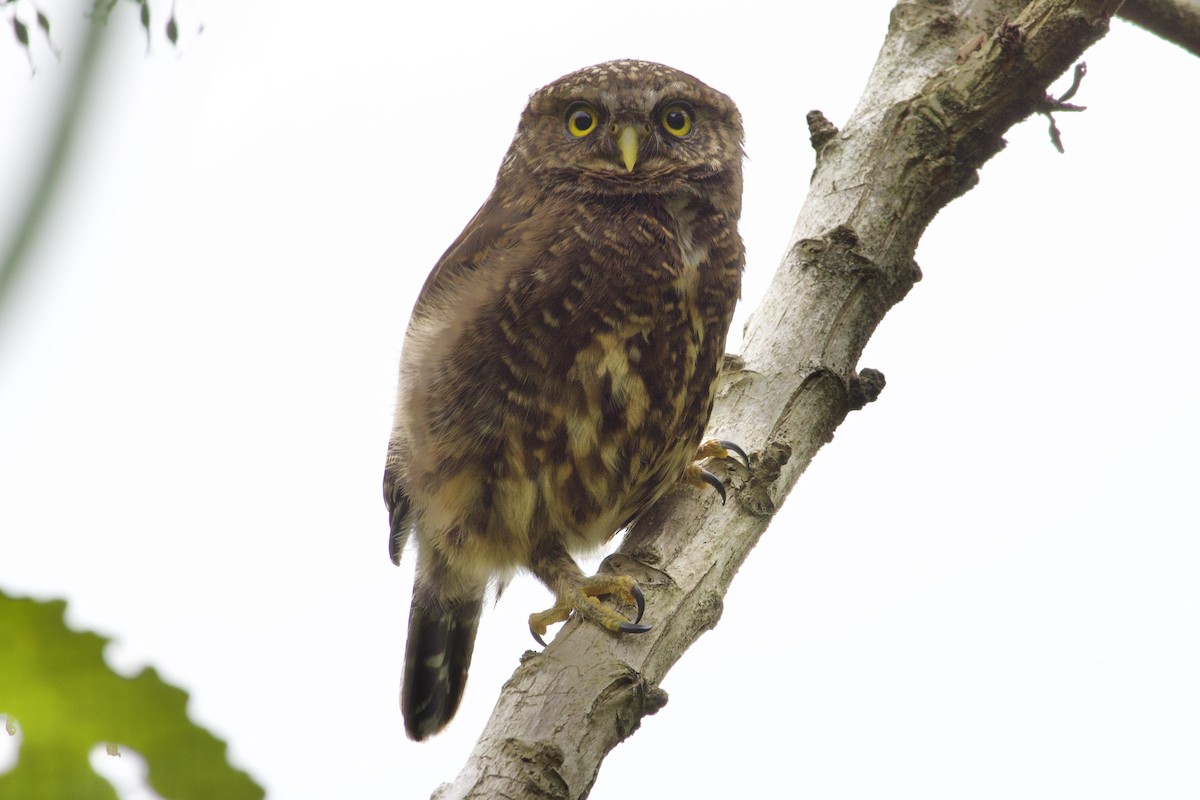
{"x": 713, "y": 448}
{"x": 584, "y": 600}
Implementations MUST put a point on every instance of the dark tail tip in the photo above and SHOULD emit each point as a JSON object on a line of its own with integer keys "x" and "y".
{"x": 440, "y": 642}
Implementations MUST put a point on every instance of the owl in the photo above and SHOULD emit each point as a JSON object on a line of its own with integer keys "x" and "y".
{"x": 561, "y": 361}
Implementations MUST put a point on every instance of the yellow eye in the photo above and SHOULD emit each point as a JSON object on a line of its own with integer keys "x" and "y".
{"x": 677, "y": 119}
{"x": 581, "y": 120}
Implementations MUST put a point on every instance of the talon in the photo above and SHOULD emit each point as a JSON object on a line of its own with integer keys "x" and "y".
{"x": 723, "y": 449}
{"x": 715, "y": 482}
{"x": 583, "y": 601}
{"x": 734, "y": 448}
{"x": 640, "y": 599}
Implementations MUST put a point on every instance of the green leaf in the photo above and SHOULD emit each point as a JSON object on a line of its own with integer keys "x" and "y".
{"x": 172, "y": 30}
{"x": 55, "y": 684}
{"x": 22, "y": 32}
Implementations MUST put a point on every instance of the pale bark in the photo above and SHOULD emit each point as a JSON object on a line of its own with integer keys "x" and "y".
{"x": 950, "y": 79}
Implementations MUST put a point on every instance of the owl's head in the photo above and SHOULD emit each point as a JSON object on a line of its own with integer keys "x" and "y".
{"x": 629, "y": 127}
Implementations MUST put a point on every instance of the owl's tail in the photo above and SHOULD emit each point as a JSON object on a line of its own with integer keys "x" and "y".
{"x": 441, "y": 638}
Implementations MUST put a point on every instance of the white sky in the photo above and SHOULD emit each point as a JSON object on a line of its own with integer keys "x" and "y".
{"x": 985, "y": 587}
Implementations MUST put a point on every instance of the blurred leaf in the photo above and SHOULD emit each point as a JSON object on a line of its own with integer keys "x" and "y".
{"x": 22, "y": 31}
{"x": 55, "y": 684}
{"x": 144, "y": 16}
{"x": 44, "y": 23}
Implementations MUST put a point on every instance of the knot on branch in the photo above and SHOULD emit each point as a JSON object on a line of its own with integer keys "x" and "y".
{"x": 820, "y": 129}
{"x": 629, "y": 697}
{"x": 765, "y": 468}
{"x": 865, "y": 388}
{"x": 1010, "y": 36}
{"x": 835, "y": 252}
{"x": 733, "y": 363}
{"x": 539, "y": 773}
{"x": 656, "y": 698}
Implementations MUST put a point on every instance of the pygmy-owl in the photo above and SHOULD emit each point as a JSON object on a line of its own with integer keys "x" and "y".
{"x": 561, "y": 361}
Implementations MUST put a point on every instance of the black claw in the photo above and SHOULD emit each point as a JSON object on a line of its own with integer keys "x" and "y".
{"x": 537, "y": 638}
{"x": 633, "y": 627}
{"x": 715, "y": 482}
{"x": 640, "y": 599}
{"x": 736, "y": 450}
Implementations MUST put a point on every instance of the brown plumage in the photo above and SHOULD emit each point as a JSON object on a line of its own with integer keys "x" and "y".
{"x": 561, "y": 361}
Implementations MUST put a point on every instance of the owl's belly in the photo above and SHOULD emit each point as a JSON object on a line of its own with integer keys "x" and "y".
{"x": 621, "y": 431}
{"x": 587, "y": 451}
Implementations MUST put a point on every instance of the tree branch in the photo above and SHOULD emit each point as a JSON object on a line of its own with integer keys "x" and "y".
{"x": 923, "y": 127}
{"x": 1177, "y": 21}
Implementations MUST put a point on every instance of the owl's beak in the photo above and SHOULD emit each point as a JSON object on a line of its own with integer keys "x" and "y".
{"x": 627, "y": 142}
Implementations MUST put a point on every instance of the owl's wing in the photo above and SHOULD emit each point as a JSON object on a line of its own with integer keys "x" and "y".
{"x": 488, "y": 232}
{"x": 491, "y": 226}
{"x": 398, "y": 506}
